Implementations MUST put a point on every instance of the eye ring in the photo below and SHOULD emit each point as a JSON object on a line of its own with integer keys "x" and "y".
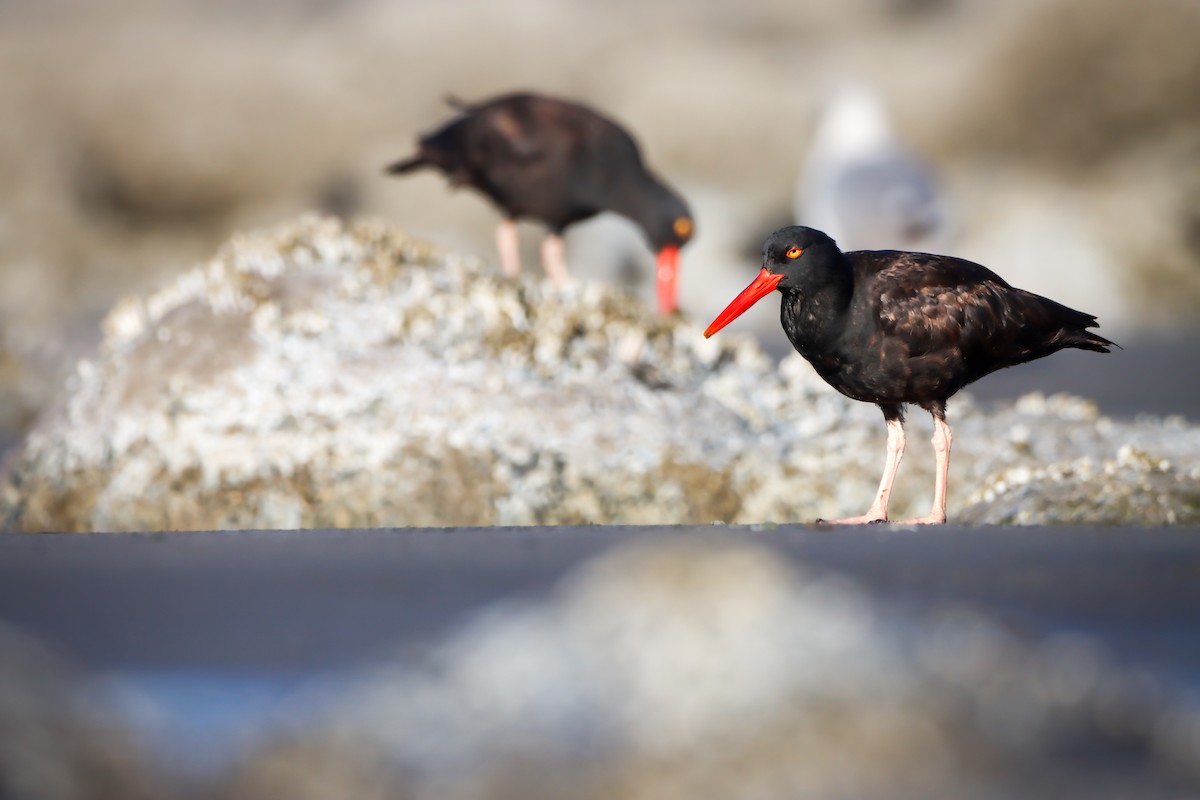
{"x": 793, "y": 252}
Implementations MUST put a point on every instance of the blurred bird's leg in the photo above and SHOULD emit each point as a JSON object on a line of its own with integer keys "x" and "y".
{"x": 554, "y": 259}
{"x": 941, "y": 453}
{"x": 509, "y": 247}
{"x": 894, "y": 416}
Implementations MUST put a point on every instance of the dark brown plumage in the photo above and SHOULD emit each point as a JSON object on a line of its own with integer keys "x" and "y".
{"x": 558, "y": 163}
{"x": 892, "y": 328}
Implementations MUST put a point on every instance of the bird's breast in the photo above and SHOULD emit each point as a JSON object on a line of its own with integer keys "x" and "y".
{"x": 884, "y": 370}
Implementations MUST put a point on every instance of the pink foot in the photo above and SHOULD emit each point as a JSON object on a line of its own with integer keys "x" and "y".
{"x": 862, "y": 519}
{"x": 929, "y": 519}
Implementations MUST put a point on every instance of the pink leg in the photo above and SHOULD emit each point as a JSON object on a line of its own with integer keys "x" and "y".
{"x": 554, "y": 259}
{"x": 942, "y": 439}
{"x": 510, "y": 248}
{"x": 895, "y": 453}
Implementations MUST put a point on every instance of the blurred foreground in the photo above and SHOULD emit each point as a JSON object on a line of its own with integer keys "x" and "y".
{"x": 549, "y": 663}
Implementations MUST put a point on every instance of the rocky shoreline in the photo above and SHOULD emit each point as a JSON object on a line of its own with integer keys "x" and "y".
{"x": 329, "y": 374}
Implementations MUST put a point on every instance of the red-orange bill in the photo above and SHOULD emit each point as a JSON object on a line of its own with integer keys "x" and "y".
{"x": 667, "y": 277}
{"x": 759, "y": 288}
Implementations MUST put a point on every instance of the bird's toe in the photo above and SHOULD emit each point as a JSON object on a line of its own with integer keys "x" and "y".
{"x": 864, "y": 519}
{"x": 930, "y": 519}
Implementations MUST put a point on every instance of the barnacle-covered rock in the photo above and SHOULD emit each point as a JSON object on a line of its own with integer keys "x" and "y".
{"x": 1132, "y": 487}
{"x": 322, "y": 375}
{"x": 328, "y": 375}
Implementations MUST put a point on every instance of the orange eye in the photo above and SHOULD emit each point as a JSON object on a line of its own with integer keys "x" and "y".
{"x": 794, "y": 252}
{"x": 682, "y": 227}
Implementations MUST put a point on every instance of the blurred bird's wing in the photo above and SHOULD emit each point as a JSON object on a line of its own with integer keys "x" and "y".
{"x": 510, "y": 135}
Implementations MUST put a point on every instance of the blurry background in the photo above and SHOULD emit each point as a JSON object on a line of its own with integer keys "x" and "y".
{"x": 1064, "y": 136}
{"x": 1063, "y": 140}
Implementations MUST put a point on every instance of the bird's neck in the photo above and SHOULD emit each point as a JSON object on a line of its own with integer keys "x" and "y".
{"x": 642, "y": 199}
{"x": 814, "y": 315}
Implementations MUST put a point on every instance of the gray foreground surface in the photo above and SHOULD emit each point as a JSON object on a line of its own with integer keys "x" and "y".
{"x": 314, "y": 600}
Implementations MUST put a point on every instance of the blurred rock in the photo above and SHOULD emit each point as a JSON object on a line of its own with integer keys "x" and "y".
{"x": 56, "y": 742}
{"x": 1076, "y": 85}
{"x": 309, "y": 767}
{"x": 320, "y": 375}
{"x": 711, "y": 669}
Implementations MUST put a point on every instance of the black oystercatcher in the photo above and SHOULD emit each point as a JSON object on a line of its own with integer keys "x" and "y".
{"x": 891, "y": 327}
{"x": 558, "y": 163}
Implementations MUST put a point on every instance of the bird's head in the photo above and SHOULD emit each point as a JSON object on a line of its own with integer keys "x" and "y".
{"x": 665, "y": 220}
{"x": 668, "y": 225}
{"x": 791, "y": 257}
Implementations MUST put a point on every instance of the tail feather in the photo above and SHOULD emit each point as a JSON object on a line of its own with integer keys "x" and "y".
{"x": 1075, "y": 324}
{"x": 407, "y": 165}
{"x": 1086, "y": 340}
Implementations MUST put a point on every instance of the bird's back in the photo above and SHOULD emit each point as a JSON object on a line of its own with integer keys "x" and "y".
{"x": 535, "y": 156}
{"x": 923, "y": 326}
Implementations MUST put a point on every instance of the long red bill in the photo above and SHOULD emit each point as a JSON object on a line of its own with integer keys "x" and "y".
{"x": 759, "y": 288}
{"x": 667, "y": 277}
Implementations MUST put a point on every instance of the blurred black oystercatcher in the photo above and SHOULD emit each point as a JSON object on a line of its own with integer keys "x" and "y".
{"x": 891, "y": 327}
{"x": 558, "y": 163}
